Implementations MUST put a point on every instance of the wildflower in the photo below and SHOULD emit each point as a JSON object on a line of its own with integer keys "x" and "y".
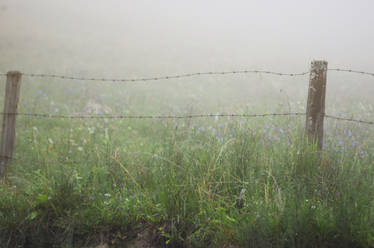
{"x": 91, "y": 130}
{"x": 80, "y": 148}
{"x": 56, "y": 110}
{"x": 349, "y": 133}
{"x": 92, "y": 198}
{"x": 107, "y": 195}
{"x": 281, "y": 130}
{"x": 50, "y": 141}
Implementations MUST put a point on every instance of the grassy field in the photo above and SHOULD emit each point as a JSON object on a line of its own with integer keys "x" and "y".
{"x": 215, "y": 182}
{"x": 202, "y": 182}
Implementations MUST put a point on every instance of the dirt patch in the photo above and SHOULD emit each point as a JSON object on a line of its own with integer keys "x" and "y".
{"x": 148, "y": 238}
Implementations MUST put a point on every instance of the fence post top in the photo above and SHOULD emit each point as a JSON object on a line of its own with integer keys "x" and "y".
{"x": 319, "y": 62}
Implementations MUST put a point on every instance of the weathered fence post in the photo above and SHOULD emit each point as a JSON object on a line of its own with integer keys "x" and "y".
{"x": 12, "y": 92}
{"x": 315, "y": 109}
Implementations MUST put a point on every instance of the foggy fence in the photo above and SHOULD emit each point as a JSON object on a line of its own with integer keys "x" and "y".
{"x": 315, "y": 109}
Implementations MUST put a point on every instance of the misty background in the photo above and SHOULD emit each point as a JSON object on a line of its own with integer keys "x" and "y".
{"x": 130, "y": 39}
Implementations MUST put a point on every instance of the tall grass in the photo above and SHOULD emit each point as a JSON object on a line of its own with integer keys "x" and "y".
{"x": 201, "y": 183}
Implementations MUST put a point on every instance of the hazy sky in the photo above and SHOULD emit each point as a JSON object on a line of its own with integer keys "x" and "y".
{"x": 143, "y": 36}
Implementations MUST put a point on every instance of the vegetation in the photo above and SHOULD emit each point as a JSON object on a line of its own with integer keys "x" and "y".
{"x": 189, "y": 183}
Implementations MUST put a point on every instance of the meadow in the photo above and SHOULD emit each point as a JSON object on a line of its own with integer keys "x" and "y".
{"x": 203, "y": 182}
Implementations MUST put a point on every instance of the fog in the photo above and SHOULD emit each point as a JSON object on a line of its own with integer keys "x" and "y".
{"x": 141, "y": 38}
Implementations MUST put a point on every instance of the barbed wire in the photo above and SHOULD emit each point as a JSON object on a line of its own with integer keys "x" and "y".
{"x": 106, "y": 116}
{"x": 189, "y": 116}
{"x": 349, "y": 119}
{"x": 352, "y": 71}
{"x": 186, "y": 75}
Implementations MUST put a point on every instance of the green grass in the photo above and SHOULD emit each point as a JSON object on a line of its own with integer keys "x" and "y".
{"x": 199, "y": 183}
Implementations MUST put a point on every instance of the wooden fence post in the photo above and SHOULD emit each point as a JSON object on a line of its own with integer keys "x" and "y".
{"x": 315, "y": 109}
{"x": 12, "y": 92}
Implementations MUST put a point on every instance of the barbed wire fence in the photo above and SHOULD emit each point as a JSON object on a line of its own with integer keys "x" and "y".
{"x": 316, "y": 94}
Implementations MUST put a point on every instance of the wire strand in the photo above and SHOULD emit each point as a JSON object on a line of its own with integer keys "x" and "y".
{"x": 186, "y": 75}
{"x": 168, "y": 77}
{"x": 349, "y": 119}
{"x": 104, "y": 116}
{"x": 107, "y": 116}
{"x": 351, "y": 71}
